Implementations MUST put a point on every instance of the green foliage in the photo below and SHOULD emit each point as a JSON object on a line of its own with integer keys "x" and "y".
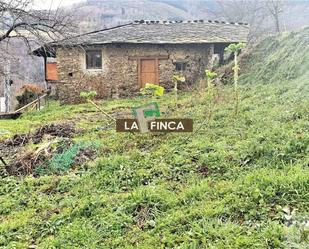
{"x": 210, "y": 94}
{"x": 210, "y": 75}
{"x": 152, "y": 90}
{"x": 277, "y": 59}
{"x": 60, "y": 162}
{"x": 25, "y": 97}
{"x": 88, "y": 95}
{"x": 63, "y": 161}
{"x": 231, "y": 185}
{"x": 176, "y": 79}
{"x": 27, "y": 94}
{"x": 235, "y": 47}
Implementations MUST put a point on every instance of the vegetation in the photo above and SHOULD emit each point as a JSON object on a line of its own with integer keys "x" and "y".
{"x": 176, "y": 80}
{"x": 232, "y": 184}
{"x": 152, "y": 90}
{"x": 60, "y": 162}
{"x": 89, "y": 96}
{"x": 210, "y": 76}
{"x": 27, "y": 94}
{"x": 235, "y": 49}
{"x": 210, "y": 94}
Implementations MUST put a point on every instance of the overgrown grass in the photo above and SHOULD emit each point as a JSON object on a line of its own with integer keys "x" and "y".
{"x": 226, "y": 186}
{"x": 278, "y": 58}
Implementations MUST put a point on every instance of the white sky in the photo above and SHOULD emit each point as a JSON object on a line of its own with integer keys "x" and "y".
{"x": 47, "y": 4}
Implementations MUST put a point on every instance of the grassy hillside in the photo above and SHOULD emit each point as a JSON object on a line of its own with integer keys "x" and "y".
{"x": 279, "y": 59}
{"x": 237, "y": 182}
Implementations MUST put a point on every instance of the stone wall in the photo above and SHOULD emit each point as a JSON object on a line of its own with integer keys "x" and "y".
{"x": 119, "y": 76}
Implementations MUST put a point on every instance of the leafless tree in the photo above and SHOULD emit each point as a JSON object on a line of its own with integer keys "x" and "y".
{"x": 18, "y": 20}
{"x": 259, "y": 14}
{"x": 275, "y": 8}
{"x": 22, "y": 29}
{"x": 247, "y": 11}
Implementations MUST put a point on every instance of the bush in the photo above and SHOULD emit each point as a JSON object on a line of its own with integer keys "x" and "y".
{"x": 153, "y": 90}
{"x": 65, "y": 155}
{"x": 27, "y": 94}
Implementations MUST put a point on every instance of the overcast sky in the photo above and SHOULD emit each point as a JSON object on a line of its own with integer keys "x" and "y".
{"x": 46, "y": 4}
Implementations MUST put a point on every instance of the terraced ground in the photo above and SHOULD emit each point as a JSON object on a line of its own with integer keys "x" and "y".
{"x": 239, "y": 181}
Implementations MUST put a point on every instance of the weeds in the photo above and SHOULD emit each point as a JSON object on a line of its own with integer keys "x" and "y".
{"x": 235, "y": 49}
{"x": 177, "y": 79}
{"x": 240, "y": 185}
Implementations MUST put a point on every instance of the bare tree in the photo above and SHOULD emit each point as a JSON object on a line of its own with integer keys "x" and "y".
{"x": 18, "y": 20}
{"x": 259, "y": 14}
{"x": 248, "y": 11}
{"x": 22, "y": 28}
{"x": 275, "y": 8}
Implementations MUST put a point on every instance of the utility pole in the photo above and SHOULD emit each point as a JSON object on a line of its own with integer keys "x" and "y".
{"x": 7, "y": 85}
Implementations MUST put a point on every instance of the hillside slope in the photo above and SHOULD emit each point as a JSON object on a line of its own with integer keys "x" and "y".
{"x": 236, "y": 182}
{"x": 279, "y": 58}
{"x": 106, "y": 13}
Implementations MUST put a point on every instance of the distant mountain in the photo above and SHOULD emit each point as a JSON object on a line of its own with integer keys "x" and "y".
{"x": 186, "y": 5}
{"x": 96, "y": 14}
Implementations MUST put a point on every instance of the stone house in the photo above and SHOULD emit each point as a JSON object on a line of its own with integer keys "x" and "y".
{"x": 118, "y": 61}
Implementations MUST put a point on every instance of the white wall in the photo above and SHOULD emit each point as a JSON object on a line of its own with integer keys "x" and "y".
{"x": 2, "y": 104}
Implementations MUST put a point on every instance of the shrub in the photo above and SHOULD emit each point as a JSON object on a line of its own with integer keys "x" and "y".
{"x": 178, "y": 79}
{"x": 60, "y": 162}
{"x": 235, "y": 49}
{"x": 27, "y": 94}
{"x": 152, "y": 90}
{"x": 88, "y": 95}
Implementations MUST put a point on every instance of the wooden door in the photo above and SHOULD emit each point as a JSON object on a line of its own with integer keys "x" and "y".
{"x": 149, "y": 72}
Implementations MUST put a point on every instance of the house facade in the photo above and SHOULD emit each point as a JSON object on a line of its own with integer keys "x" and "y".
{"x": 119, "y": 61}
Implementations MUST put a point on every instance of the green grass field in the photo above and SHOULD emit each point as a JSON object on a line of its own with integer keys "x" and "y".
{"x": 240, "y": 181}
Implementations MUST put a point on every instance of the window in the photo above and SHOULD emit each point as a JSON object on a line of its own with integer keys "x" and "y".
{"x": 180, "y": 66}
{"x": 94, "y": 59}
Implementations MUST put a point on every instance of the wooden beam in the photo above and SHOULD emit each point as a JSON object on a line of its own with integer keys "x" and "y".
{"x": 30, "y": 104}
{"x": 159, "y": 57}
{"x": 45, "y": 68}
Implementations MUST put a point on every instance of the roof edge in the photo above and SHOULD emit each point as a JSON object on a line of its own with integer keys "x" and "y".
{"x": 187, "y": 21}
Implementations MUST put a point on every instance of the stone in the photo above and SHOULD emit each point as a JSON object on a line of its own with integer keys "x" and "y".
{"x": 119, "y": 74}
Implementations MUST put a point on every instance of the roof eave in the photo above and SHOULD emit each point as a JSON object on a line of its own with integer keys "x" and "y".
{"x": 45, "y": 51}
{"x": 151, "y": 43}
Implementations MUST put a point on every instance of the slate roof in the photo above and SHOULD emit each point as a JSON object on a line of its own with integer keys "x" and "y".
{"x": 163, "y": 32}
